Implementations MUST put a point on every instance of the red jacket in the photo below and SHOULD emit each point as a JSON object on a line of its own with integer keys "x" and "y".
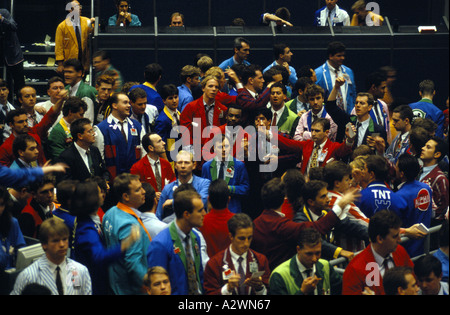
{"x": 196, "y": 109}
{"x": 334, "y": 150}
{"x": 359, "y": 270}
{"x": 214, "y": 271}
{"x": 145, "y": 171}
{"x": 276, "y": 236}
{"x": 215, "y": 230}
{"x": 38, "y": 132}
{"x": 250, "y": 104}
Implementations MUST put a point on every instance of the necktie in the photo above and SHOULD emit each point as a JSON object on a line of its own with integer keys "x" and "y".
{"x": 339, "y": 98}
{"x": 221, "y": 170}
{"x": 90, "y": 163}
{"x": 314, "y": 118}
{"x": 158, "y": 176}
{"x": 386, "y": 263}
{"x": 242, "y": 274}
{"x": 177, "y": 120}
{"x": 308, "y": 273}
{"x": 59, "y": 284}
{"x": 315, "y": 156}
{"x": 358, "y": 125}
{"x": 208, "y": 109}
{"x": 192, "y": 276}
{"x": 274, "y": 119}
{"x": 122, "y": 130}
{"x": 329, "y": 17}
{"x": 80, "y": 47}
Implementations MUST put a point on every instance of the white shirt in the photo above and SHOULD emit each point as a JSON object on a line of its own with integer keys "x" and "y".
{"x": 74, "y": 89}
{"x": 380, "y": 260}
{"x": 209, "y": 110}
{"x": 362, "y": 130}
{"x": 153, "y": 165}
{"x": 83, "y": 155}
{"x": 62, "y": 272}
{"x": 278, "y": 112}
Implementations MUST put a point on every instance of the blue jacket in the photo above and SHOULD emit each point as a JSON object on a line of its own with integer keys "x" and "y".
{"x": 89, "y": 249}
{"x": 166, "y": 251}
{"x": 237, "y": 180}
{"x": 19, "y": 177}
{"x": 13, "y": 239}
{"x": 125, "y": 275}
{"x": 426, "y": 109}
{"x": 230, "y": 62}
{"x": 418, "y": 198}
{"x": 324, "y": 80}
{"x": 153, "y": 97}
{"x": 377, "y": 196}
{"x": 184, "y": 97}
{"x": 201, "y": 185}
{"x": 120, "y": 155}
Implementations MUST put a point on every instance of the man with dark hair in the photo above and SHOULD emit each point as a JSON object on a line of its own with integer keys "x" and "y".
{"x": 27, "y": 100}
{"x": 281, "y": 17}
{"x": 190, "y": 79}
{"x": 365, "y": 272}
{"x": 428, "y": 270}
{"x": 60, "y": 137}
{"x": 282, "y": 116}
{"x": 101, "y": 60}
{"x": 17, "y": 120}
{"x": 299, "y": 104}
{"x": 119, "y": 137}
{"x": 367, "y": 130}
{"x": 25, "y": 149}
{"x": 141, "y": 111}
{"x": 39, "y": 207}
{"x": 54, "y": 86}
{"x": 377, "y": 195}
{"x": 126, "y": 274}
{"x": 432, "y": 153}
{"x": 152, "y": 75}
{"x": 253, "y": 96}
{"x": 177, "y": 248}
{"x": 238, "y": 270}
{"x": 153, "y": 168}
{"x": 73, "y": 77}
{"x": 315, "y": 196}
{"x": 402, "y": 117}
{"x": 376, "y": 85}
{"x": 215, "y": 228}
{"x": 334, "y": 68}
{"x": 83, "y": 159}
{"x": 319, "y": 149}
{"x": 241, "y": 47}
{"x": 331, "y": 11}
{"x": 400, "y": 281}
{"x": 283, "y": 56}
{"x": 104, "y": 85}
{"x": 169, "y": 119}
{"x": 306, "y": 273}
{"x": 418, "y": 197}
{"x": 275, "y": 236}
{"x": 425, "y": 107}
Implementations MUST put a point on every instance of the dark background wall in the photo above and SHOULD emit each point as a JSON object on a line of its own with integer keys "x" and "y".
{"x": 39, "y": 18}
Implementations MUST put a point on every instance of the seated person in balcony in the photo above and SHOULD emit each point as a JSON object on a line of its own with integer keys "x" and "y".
{"x": 360, "y": 15}
{"x": 281, "y": 17}
{"x": 176, "y": 20}
{"x": 331, "y": 10}
{"x": 123, "y": 17}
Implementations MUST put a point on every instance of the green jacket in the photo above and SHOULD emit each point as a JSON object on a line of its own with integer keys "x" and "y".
{"x": 286, "y": 121}
{"x": 286, "y": 279}
{"x": 58, "y": 140}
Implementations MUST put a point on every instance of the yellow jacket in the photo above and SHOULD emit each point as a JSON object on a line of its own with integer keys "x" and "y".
{"x": 66, "y": 46}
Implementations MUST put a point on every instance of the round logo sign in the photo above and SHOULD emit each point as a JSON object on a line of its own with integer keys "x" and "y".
{"x": 423, "y": 200}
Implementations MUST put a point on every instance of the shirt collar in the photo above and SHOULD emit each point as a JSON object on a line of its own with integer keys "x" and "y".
{"x": 302, "y": 268}
{"x": 378, "y": 259}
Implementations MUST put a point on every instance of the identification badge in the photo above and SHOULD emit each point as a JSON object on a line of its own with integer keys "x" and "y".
{"x": 134, "y": 132}
{"x": 322, "y": 156}
{"x": 253, "y": 267}
{"x": 226, "y": 274}
{"x": 230, "y": 172}
{"x": 75, "y": 279}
